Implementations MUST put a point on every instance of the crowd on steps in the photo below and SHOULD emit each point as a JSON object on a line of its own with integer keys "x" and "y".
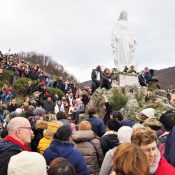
{"x": 45, "y": 135}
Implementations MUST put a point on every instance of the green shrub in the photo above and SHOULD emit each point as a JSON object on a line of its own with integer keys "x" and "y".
{"x": 118, "y": 100}
{"x": 4, "y": 81}
{"x": 53, "y": 91}
{"x": 20, "y": 86}
{"x": 6, "y": 77}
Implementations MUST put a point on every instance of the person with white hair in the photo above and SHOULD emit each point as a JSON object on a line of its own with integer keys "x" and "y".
{"x": 18, "y": 138}
{"x": 124, "y": 136}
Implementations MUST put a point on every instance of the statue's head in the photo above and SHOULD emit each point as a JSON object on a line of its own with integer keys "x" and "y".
{"x": 123, "y": 15}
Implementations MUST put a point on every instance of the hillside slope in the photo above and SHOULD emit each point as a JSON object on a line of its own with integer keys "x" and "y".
{"x": 166, "y": 77}
{"x": 47, "y": 64}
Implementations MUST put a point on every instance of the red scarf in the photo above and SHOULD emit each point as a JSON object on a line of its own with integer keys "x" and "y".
{"x": 13, "y": 140}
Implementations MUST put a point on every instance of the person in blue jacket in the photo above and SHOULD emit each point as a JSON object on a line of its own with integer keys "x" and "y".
{"x": 147, "y": 75}
{"x": 97, "y": 124}
{"x": 62, "y": 146}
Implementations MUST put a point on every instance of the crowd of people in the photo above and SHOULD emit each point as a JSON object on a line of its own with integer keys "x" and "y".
{"x": 122, "y": 146}
{"x": 50, "y": 139}
{"x": 72, "y": 102}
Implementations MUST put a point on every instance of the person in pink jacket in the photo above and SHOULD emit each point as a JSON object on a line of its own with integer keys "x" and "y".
{"x": 146, "y": 139}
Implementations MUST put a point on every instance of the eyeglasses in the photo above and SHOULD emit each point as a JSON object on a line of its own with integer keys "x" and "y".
{"x": 25, "y": 127}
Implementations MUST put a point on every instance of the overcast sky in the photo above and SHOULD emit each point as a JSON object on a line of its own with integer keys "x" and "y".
{"x": 77, "y": 33}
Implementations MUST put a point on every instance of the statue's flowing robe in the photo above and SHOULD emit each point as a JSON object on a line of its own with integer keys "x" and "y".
{"x": 123, "y": 45}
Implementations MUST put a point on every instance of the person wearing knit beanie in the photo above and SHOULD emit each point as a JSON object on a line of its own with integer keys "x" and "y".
{"x": 147, "y": 113}
{"x": 27, "y": 163}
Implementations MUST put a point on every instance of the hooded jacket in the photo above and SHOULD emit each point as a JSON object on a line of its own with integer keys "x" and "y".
{"x": 45, "y": 141}
{"x": 89, "y": 145}
{"x": 48, "y": 133}
{"x": 66, "y": 150}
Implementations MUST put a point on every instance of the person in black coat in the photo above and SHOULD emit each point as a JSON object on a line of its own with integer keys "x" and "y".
{"x": 12, "y": 106}
{"x": 108, "y": 112}
{"x": 110, "y": 140}
{"x": 96, "y": 78}
{"x": 106, "y": 79}
{"x": 17, "y": 140}
{"x": 48, "y": 105}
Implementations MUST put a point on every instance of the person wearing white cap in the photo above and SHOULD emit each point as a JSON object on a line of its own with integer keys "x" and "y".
{"x": 27, "y": 163}
{"x": 147, "y": 113}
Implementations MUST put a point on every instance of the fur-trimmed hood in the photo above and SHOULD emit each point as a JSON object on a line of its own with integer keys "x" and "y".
{"x": 40, "y": 124}
{"x": 52, "y": 127}
{"x": 83, "y": 135}
{"x": 152, "y": 122}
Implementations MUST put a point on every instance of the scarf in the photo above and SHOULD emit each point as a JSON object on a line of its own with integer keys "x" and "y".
{"x": 13, "y": 140}
{"x": 154, "y": 167}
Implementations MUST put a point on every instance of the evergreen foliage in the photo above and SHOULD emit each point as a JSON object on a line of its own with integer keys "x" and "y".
{"x": 20, "y": 86}
{"x": 6, "y": 77}
{"x": 53, "y": 91}
{"x": 118, "y": 100}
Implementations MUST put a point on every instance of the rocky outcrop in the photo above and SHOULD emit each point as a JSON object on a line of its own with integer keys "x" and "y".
{"x": 139, "y": 98}
{"x": 98, "y": 99}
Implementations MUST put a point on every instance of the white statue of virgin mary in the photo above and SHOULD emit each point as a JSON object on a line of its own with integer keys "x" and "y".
{"x": 123, "y": 43}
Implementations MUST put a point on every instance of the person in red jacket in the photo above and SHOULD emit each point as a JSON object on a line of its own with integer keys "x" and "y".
{"x": 9, "y": 94}
{"x": 146, "y": 139}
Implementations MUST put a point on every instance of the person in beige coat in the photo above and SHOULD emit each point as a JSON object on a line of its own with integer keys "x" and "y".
{"x": 88, "y": 144}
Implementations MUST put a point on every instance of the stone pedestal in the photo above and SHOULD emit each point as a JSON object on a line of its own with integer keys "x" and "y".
{"x": 128, "y": 80}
